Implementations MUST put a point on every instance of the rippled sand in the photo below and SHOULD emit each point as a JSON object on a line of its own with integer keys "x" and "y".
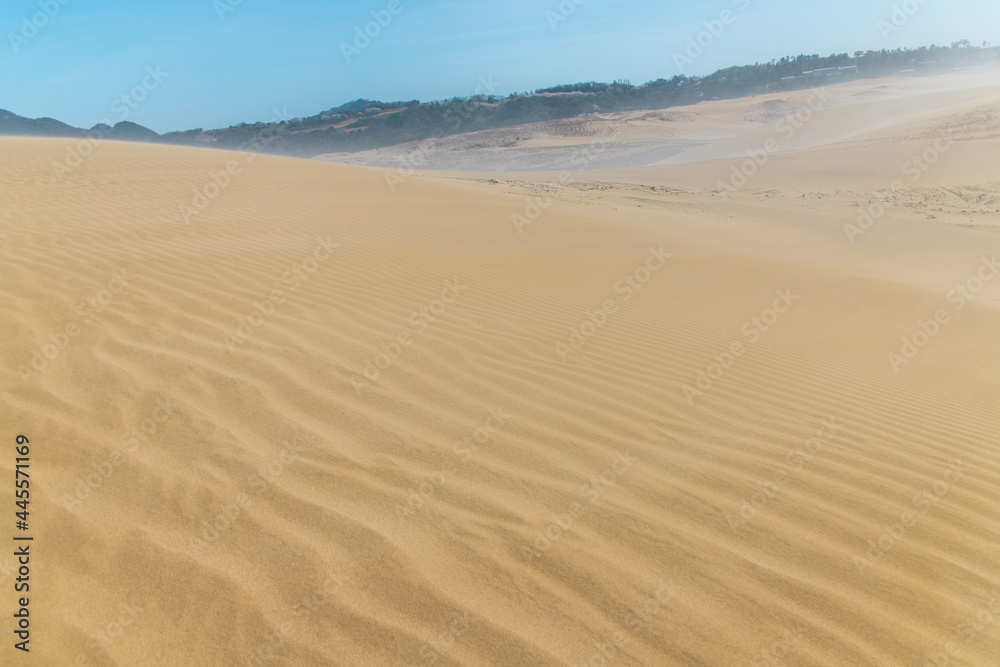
{"x": 301, "y": 418}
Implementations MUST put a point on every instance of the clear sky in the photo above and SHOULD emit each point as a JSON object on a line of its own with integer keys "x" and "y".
{"x": 227, "y": 61}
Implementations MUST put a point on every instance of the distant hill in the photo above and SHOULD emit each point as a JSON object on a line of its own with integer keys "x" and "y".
{"x": 13, "y": 125}
{"x": 362, "y": 104}
{"x": 368, "y": 124}
{"x": 126, "y": 131}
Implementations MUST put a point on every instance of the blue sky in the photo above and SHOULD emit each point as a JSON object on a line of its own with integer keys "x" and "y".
{"x": 228, "y": 61}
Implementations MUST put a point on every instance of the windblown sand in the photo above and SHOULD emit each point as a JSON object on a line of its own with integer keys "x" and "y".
{"x": 635, "y": 418}
{"x": 710, "y": 129}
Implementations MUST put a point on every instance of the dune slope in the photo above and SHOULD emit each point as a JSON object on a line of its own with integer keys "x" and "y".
{"x": 298, "y": 414}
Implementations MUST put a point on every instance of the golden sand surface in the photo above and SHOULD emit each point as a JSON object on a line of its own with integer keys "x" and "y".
{"x": 300, "y": 413}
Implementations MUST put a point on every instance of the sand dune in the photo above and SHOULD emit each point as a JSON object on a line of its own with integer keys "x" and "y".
{"x": 709, "y": 130}
{"x": 300, "y": 413}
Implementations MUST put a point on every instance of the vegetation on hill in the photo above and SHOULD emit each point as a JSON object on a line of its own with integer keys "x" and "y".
{"x": 365, "y": 124}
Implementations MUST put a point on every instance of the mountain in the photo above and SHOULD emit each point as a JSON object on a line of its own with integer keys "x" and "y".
{"x": 126, "y": 131}
{"x": 365, "y": 124}
{"x": 357, "y": 105}
{"x": 13, "y": 125}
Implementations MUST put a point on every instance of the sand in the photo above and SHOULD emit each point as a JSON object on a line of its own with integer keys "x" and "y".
{"x": 323, "y": 414}
{"x": 711, "y": 129}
